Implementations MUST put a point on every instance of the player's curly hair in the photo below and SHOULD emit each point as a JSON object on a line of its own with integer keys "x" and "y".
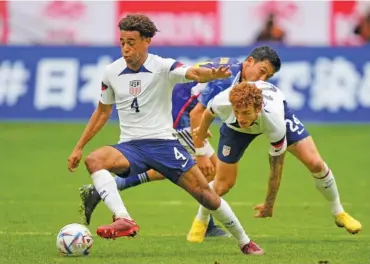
{"x": 140, "y": 23}
{"x": 244, "y": 94}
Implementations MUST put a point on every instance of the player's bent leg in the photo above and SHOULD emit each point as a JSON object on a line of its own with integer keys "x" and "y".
{"x": 100, "y": 164}
{"x": 132, "y": 181}
{"x": 306, "y": 151}
{"x": 90, "y": 198}
{"x": 225, "y": 178}
{"x": 155, "y": 176}
{"x": 194, "y": 182}
{"x": 213, "y": 230}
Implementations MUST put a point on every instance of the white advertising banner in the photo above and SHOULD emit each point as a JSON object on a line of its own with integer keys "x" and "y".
{"x": 305, "y": 22}
{"x": 62, "y": 22}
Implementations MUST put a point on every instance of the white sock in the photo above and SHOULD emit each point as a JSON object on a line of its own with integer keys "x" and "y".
{"x": 226, "y": 216}
{"x": 107, "y": 188}
{"x": 325, "y": 183}
{"x": 203, "y": 214}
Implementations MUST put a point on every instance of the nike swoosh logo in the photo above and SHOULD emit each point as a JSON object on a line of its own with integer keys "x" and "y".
{"x": 300, "y": 132}
{"x": 186, "y": 162}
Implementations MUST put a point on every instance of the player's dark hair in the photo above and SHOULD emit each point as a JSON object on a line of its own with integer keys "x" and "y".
{"x": 140, "y": 23}
{"x": 266, "y": 53}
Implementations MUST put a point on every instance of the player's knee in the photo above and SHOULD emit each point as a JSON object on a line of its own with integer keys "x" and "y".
{"x": 223, "y": 187}
{"x": 93, "y": 163}
{"x": 316, "y": 165}
{"x": 209, "y": 199}
{"x": 155, "y": 176}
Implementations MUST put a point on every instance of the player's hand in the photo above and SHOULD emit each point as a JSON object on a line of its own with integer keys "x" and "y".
{"x": 198, "y": 135}
{"x": 263, "y": 211}
{"x": 74, "y": 159}
{"x": 206, "y": 166}
{"x": 221, "y": 72}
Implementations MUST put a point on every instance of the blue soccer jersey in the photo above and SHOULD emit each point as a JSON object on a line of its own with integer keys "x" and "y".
{"x": 183, "y": 101}
{"x": 215, "y": 87}
{"x": 185, "y": 97}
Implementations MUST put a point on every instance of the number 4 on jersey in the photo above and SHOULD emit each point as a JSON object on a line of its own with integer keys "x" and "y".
{"x": 135, "y": 105}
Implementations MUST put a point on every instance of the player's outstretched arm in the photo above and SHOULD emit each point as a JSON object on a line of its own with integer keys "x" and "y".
{"x": 97, "y": 120}
{"x": 195, "y": 119}
{"x": 276, "y": 171}
{"x": 203, "y": 74}
{"x": 200, "y": 133}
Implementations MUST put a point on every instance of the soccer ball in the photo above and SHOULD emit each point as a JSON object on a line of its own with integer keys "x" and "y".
{"x": 74, "y": 240}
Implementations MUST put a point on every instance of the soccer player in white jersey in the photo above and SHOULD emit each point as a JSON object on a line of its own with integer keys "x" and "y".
{"x": 140, "y": 84}
{"x": 247, "y": 110}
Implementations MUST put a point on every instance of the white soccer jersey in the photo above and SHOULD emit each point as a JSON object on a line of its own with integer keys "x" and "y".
{"x": 143, "y": 97}
{"x": 271, "y": 120}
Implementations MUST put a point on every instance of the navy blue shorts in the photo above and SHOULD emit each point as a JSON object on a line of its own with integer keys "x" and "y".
{"x": 233, "y": 144}
{"x": 168, "y": 157}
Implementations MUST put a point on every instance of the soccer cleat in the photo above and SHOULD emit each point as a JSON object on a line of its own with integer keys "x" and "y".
{"x": 118, "y": 228}
{"x": 197, "y": 231}
{"x": 348, "y": 222}
{"x": 252, "y": 249}
{"x": 90, "y": 198}
{"x": 216, "y": 231}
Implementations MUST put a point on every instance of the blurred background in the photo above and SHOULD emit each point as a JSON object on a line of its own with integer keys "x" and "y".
{"x": 53, "y": 52}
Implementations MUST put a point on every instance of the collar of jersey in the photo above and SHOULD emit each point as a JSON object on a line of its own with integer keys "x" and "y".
{"x": 130, "y": 71}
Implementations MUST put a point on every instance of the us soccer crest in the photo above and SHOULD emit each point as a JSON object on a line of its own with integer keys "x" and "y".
{"x": 226, "y": 150}
{"x": 135, "y": 87}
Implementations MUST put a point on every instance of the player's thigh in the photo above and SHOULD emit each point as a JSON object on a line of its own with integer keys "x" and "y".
{"x": 225, "y": 178}
{"x": 305, "y": 151}
{"x": 300, "y": 143}
{"x": 155, "y": 175}
{"x": 108, "y": 158}
{"x": 169, "y": 158}
{"x": 195, "y": 183}
{"x": 176, "y": 164}
{"x": 232, "y": 144}
{"x": 231, "y": 148}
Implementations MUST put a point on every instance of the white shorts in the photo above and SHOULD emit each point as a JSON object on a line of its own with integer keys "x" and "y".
{"x": 184, "y": 136}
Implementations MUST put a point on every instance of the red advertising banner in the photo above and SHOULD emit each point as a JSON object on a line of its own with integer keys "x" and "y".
{"x": 179, "y": 22}
{"x": 344, "y": 17}
{"x": 4, "y": 23}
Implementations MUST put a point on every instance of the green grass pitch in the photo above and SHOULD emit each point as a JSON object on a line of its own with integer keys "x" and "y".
{"x": 38, "y": 196}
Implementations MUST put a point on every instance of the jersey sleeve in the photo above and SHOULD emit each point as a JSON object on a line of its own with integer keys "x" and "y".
{"x": 209, "y": 92}
{"x": 220, "y": 106}
{"x": 107, "y": 93}
{"x": 176, "y": 70}
{"x": 276, "y": 129}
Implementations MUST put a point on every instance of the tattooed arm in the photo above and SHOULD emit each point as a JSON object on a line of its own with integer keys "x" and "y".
{"x": 276, "y": 171}
{"x": 276, "y": 159}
